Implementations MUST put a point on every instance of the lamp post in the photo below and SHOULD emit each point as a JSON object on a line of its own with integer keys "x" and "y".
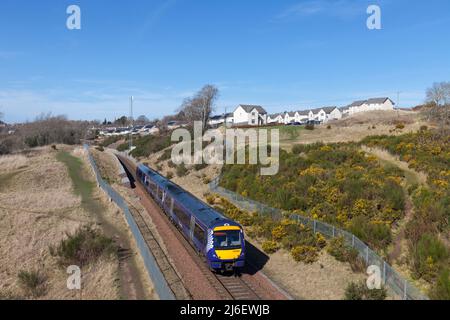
{"x": 131, "y": 121}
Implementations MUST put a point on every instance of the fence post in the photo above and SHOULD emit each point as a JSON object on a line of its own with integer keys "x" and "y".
{"x": 405, "y": 289}
{"x": 315, "y": 222}
{"x": 334, "y": 232}
{"x": 384, "y": 272}
{"x": 367, "y": 255}
{"x": 353, "y": 240}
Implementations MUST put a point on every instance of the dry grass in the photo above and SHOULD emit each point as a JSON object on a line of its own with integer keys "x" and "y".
{"x": 38, "y": 208}
{"x": 359, "y": 126}
{"x": 12, "y": 162}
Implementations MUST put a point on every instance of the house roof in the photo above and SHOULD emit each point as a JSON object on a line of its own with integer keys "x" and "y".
{"x": 357, "y": 103}
{"x": 276, "y": 115}
{"x": 378, "y": 100}
{"x": 329, "y": 110}
{"x": 303, "y": 112}
{"x": 248, "y": 108}
{"x": 369, "y": 101}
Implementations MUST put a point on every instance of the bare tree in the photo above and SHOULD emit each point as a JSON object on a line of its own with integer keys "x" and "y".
{"x": 141, "y": 120}
{"x": 200, "y": 106}
{"x": 439, "y": 93}
{"x": 438, "y": 104}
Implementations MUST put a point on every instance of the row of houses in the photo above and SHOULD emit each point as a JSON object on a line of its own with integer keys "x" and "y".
{"x": 255, "y": 115}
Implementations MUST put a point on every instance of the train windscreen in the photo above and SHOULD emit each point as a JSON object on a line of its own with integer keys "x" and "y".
{"x": 230, "y": 239}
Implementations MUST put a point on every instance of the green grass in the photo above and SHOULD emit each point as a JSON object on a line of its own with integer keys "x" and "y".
{"x": 82, "y": 186}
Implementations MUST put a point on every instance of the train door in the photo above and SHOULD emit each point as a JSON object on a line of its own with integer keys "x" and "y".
{"x": 192, "y": 227}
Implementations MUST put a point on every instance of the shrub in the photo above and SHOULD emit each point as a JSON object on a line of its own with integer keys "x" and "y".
{"x": 306, "y": 254}
{"x": 377, "y": 235}
{"x": 441, "y": 290}
{"x": 32, "y": 282}
{"x": 329, "y": 127}
{"x": 343, "y": 253}
{"x": 400, "y": 126}
{"x": 423, "y": 128}
{"x": 181, "y": 170}
{"x": 169, "y": 175}
{"x": 210, "y": 199}
{"x": 310, "y": 127}
{"x": 297, "y": 149}
{"x": 100, "y": 148}
{"x": 166, "y": 155}
{"x": 171, "y": 164}
{"x": 123, "y": 147}
{"x": 206, "y": 180}
{"x": 270, "y": 247}
{"x": 360, "y": 291}
{"x": 83, "y": 247}
{"x": 198, "y": 167}
{"x": 428, "y": 255}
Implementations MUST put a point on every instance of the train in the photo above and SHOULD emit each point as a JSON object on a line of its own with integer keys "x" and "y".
{"x": 219, "y": 240}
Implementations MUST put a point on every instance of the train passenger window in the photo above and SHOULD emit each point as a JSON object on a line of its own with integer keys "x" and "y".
{"x": 199, "y": 233}
{"x": 183, "y": 216}
{"x": 160, "y": 193}
{"x": 167, "y": 201}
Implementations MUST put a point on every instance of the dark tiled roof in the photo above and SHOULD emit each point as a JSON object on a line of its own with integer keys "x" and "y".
{"x": 303, "y": 112}
{"x": 378, "y": 100}
{"x": 370, "y": 101}
{"x": 329, "y": 110}
{"x": 249, "y": 108}
{"x": 357, "y": 103}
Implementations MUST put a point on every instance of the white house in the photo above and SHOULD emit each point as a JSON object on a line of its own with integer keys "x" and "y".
{"x": 332, "y": 113}
{"x": 374, "y": 104}
{"x": 289, "y": 117}
{"x": 276, "y": 118}
{"x": 250, "y": 115}
{"x": 301, "y": 116}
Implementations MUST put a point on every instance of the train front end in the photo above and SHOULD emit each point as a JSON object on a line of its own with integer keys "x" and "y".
{"x": 226, "y": 247}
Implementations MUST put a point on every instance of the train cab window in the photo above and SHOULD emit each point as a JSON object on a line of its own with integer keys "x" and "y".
{"x": 199, "y": 233}
{"x": 230, "y": 239}
{"x": 181, "y": 215}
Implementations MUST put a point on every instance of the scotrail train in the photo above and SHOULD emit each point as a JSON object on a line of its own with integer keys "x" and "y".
{"x": 214, "y": 236}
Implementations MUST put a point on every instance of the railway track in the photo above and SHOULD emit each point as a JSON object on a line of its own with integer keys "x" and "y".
{"x": 229, "y": 287}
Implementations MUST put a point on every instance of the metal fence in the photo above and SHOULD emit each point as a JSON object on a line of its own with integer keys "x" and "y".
{"x": 161, "y": 287}
{"x": 390, "y": 277}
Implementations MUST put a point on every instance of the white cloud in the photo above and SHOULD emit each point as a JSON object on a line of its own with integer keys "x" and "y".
{"x": 333, "y": 8}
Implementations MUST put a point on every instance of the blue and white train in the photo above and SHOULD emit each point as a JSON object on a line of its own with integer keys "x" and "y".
{"x": 219, "y": 239}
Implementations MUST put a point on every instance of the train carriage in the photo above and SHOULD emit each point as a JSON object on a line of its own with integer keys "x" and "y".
{"x": 216, "y": 237}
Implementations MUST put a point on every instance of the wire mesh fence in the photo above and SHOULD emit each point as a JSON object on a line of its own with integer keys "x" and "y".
{"x": 160, "y": 283}
{"x": 390, "y": 277}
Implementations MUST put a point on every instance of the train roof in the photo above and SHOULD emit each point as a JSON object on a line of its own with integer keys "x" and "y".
{"x": 203, "y": 212}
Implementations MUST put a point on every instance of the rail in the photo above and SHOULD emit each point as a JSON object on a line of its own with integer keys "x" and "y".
{"x": 156, "y": 275}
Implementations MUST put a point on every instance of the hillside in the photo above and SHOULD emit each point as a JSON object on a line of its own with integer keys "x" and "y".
{"x": 48, "y": 197}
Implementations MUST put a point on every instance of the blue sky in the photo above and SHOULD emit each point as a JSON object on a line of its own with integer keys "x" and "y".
{"x": 284, "y": 55}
